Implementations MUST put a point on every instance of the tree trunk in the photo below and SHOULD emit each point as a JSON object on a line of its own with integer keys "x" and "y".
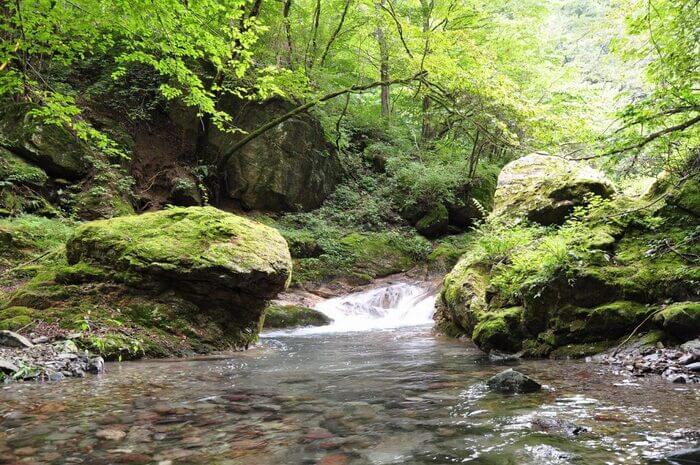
{"x": 427, "y": 132}
{"x": 288, "y": 33}
{"x": 313, "y": 46}
{"x": 383, "y": 64}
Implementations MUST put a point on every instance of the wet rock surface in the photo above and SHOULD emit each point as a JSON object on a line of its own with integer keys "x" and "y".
{"x": 512, "y": 382}
{"x": 679, "y": 365}
{"x": 45, "y": 359}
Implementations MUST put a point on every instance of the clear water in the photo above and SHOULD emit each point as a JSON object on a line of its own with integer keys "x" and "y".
{"x": 381, "y": 396}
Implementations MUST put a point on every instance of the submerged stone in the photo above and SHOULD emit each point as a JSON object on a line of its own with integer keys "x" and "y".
{"x": 511, "y": 382}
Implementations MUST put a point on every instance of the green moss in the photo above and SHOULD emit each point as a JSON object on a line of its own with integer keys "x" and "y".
{"x": 302, "y": 243}
{"x": 687, "y": 196}
{"x": 464, "y": 294}
{"x": 81, "y": 272}
{"x": 582, "y": 350}
{"x": 448, "y": 251}
{"x": 290, "y": 316}
{"x": 361, "y": 257}
{"x": 11, "y": 312}
{"x": 434, "y": 223}
{"x": 14, "y": 169}
{"x": 613, "y": 320}
{"x": 500, "y": 330}
{"x": 14, "y": 318}
{"x": 34, "y": 233}
{"x": 16, "y": 323}
{"x": 201, "y": 244}
{"x": 681, "y": 319}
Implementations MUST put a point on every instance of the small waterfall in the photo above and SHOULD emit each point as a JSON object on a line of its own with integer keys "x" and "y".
{"x": 391, "y": 306}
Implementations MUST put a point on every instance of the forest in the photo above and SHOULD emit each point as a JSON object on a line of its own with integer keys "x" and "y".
{"x": 348, "y": 232}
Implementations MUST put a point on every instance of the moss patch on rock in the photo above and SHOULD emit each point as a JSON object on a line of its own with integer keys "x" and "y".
{"x": 577, "y": 286}
{"x": 356, "y": 257}
{"x": 16, "y": 170}
{"x": 681, "y": 319}
{"x": 202, "y": 249}
{"x": 435, "y": 222}
{"x": 500, "y": 330}
{"x": 292, "y": 316}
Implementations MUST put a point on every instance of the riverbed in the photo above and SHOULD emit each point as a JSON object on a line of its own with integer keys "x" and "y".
{"x": 392, "y": 394}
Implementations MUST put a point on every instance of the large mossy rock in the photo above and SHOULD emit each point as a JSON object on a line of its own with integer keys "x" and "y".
{"x": 581, "y": 287}
{"x": 208, "y": 254}
{"x": 289, "y": 168}
{"x": 545, "y": 189}
{"x": 51, "y": 147}
{"x": 174, "y": 282}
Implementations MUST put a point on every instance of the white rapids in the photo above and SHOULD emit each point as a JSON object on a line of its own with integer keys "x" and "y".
{"x": 392, "y": 306}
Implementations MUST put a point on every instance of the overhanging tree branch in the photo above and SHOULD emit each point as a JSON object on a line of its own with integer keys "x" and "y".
{"x": 648, "y": 139}
{"x": 272, "y": 123}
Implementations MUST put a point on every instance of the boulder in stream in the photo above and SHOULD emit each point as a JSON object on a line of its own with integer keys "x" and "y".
{"x": 293, "y": 316}
{"x": 513, "y": 382}
{"x": 174, "y": 282}
{"x": 579, "y": 288}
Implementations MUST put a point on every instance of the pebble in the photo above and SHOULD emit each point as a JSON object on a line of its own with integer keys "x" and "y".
{"x": 694, "y": 367}
{"x": 111, "y": 434}
{"x": 677, "y": 365}
{"x": 334, "y": 459}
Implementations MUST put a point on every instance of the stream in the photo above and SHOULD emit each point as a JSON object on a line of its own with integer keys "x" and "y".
{"x": 375, "y": 387}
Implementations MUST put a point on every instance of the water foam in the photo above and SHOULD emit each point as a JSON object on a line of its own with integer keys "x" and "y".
{"x": 392, "y": 306}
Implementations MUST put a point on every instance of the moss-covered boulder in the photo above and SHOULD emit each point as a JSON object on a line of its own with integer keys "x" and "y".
{"x": 579, "y": 287}
{"x": 686, "y": 196}
{"x": 292, "y": 316}
{"x": 434, "y": 223}
{"x": 53, "y": 148}
{"x": 201, "y": 251}
{"x": 545, "y": 189}
{"x": 173, "y": 282}
{"x": 681, "y": 318}
{"x": 16, "y": 170}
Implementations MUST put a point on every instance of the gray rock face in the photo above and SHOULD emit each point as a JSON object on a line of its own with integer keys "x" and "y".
{"x": 8, "y": 367}
{"x": 684, "y": 457}
{"x": 545, "y": 188}
{"x": 51, "y": 147}
{"x": 511, "y": 382}
{"x": 11, "y": 339}
{"x": 289, "y": 168}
